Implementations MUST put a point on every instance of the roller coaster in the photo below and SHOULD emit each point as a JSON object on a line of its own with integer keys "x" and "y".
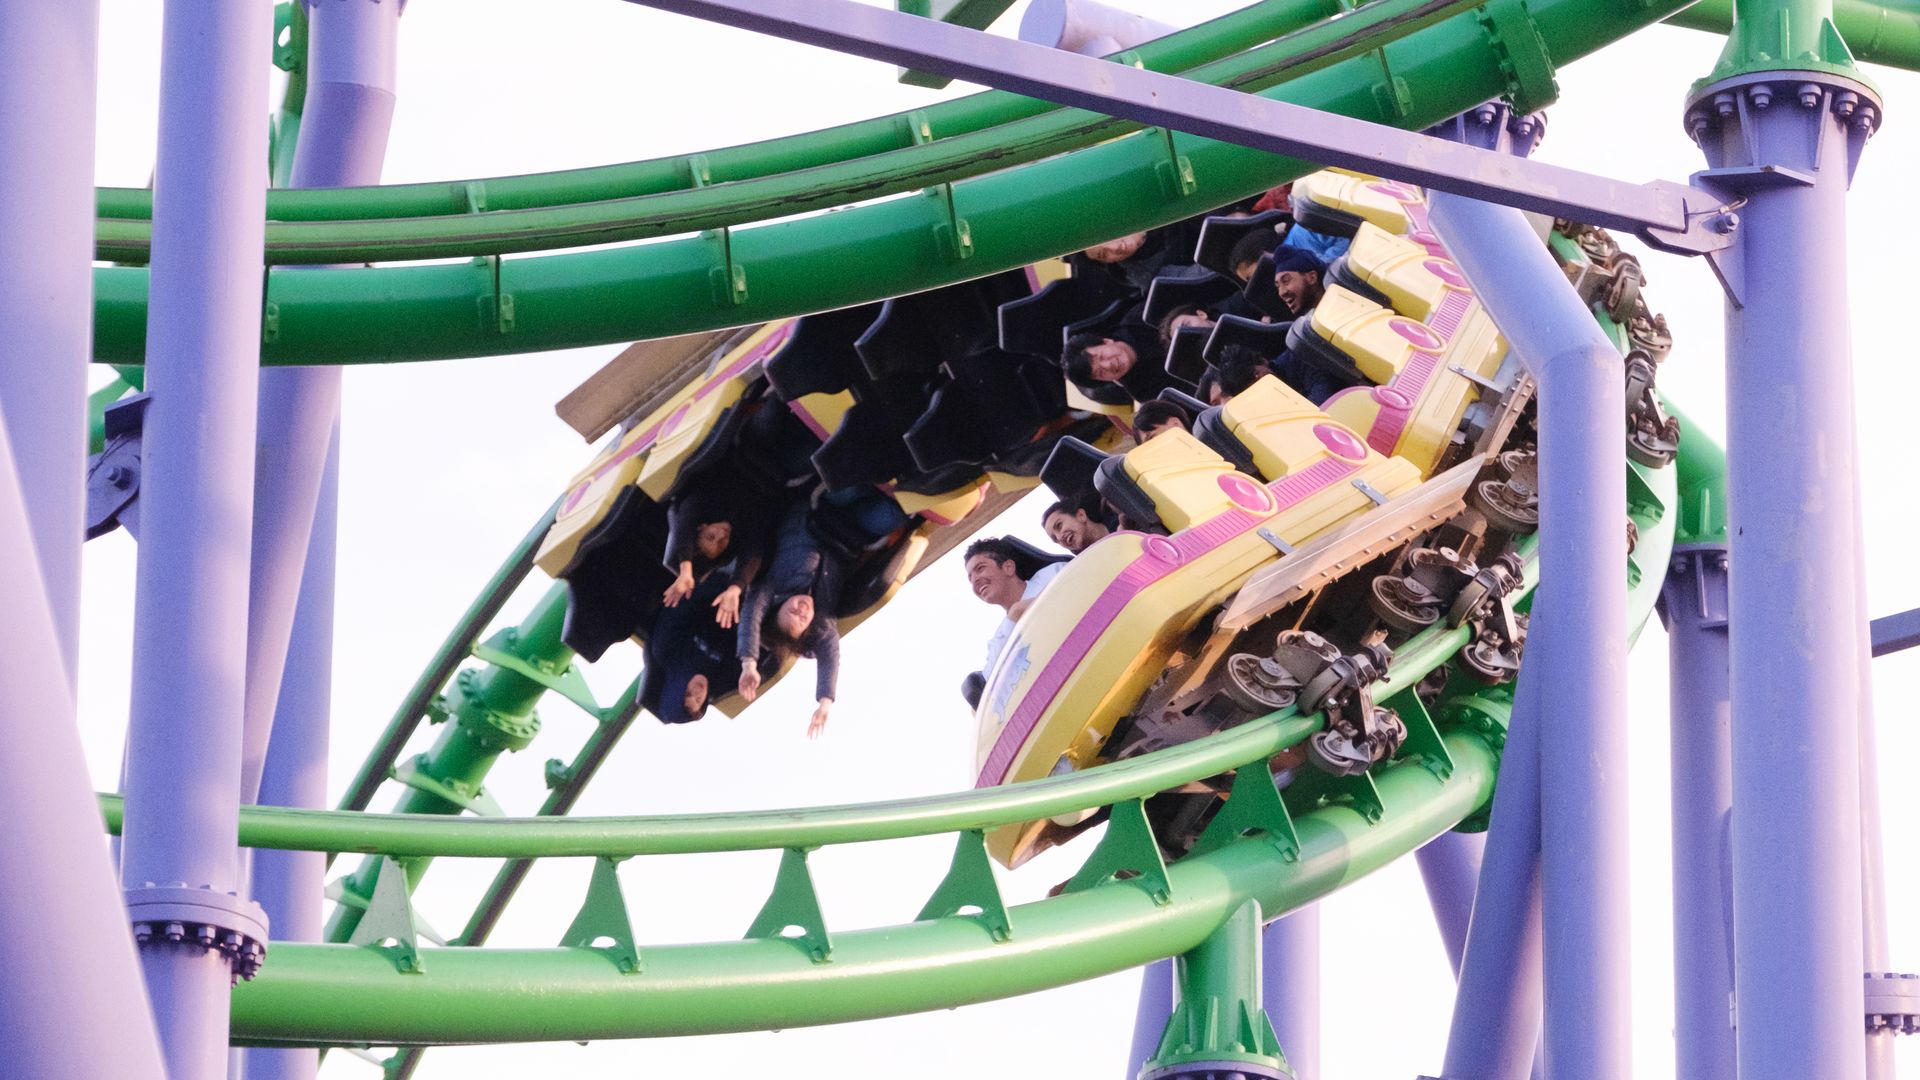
{"x": 1403, "y": 561}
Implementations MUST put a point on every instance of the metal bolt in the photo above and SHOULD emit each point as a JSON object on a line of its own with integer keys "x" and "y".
{"x": 1844, "y": 103}
{"x": 1724, "y": 105}
{"x": 1809, "y": 96}
{"x": 1724, "y": 222}
{"x": 120, "y": 476}
{"x": 1761, "y": 96}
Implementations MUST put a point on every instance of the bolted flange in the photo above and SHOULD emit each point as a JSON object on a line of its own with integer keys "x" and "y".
{"x": 214, "y": 921}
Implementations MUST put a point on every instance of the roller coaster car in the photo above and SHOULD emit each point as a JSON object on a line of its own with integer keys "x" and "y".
{"x": 1300, "y": 545}
{"x": 908, "y": 402}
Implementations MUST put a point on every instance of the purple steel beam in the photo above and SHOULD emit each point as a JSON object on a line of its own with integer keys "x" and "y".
{"x": 1496, "y": 1008}
{"x": 1150, "y": 1016}
{"x": 351, "y": 69}
{"x": 1672, "y": 216}
{"x": 1450, "y": 870}
{"x": 48, "y": 55}
{"x": 1290, "y": 987}
{"x": 1788, "y": 141}
{"x": 1694, "y": 603}
{"x": 1578, "y": 638}
{"x": 343, "y": 139}
{"x": 190, "y": 605}
{"x": 1876, "y": 952}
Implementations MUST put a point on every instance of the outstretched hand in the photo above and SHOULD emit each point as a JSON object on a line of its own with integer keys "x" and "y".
{"x": 682, "y": 586}
{"x": 726, "y": 608}
{"x": 819, "y": 723}
{"x": 749, "y": 680}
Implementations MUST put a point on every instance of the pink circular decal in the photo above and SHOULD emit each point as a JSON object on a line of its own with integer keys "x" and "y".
{"x": 1394, "y": 191}
{"x": 1340, "y": 441}
{"x": 1417, "y": 333}
{"x": 1389, "y": 398}
{"x": 1161, "y": 548}
{"x": 1446, "y": 271}
{"x": 1246, "y": 494}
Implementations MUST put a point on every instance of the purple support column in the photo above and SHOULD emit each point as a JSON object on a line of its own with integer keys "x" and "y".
{"x": 1496, "y": 1009}
{"x": 1787, "y": 142}
{"x": 290, "y": 885}
{"x": 1087, "y": 27}
{"x": 1450, "y": 870}
{"x": 343, "y": 140}
{"x": 70, "y": 1002}
{"x": 1290, "y": 987}
{"x": 1694, "y": 602}
{"x": 1578, "y": 641}
{"x": 48, "y": 53}
{"x": 190, "y": 607}
{"x": 1150, "y": 1017}
{"x": 1873, "y": 860}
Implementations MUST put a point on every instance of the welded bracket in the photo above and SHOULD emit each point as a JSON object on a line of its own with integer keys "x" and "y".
{"x": 728, "y": 281}
{"x": 563, "y": 679}
{"x": 496, "y": 304}
{"x": 1313, "y": 788}
{"x": 1423, "y": 735}
{"x": 1127, "y": 848}
{"x": 388, "y": 926}
{"x": 603, "y": 918}
{"x": 970, "y": 883}
{"x": 1253, "y": 808}
{"x": 478, "y": 800}
{"x": 792, "y": 911}
{"x": 113, "y": 475}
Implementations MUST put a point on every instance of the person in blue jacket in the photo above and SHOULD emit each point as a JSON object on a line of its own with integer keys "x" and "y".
{"x": 789, "y": 611}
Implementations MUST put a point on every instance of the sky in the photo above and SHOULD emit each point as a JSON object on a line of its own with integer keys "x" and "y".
{"x": 446, "y": 465}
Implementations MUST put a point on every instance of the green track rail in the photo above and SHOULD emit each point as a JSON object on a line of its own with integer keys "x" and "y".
{"x": 948, "y": 233}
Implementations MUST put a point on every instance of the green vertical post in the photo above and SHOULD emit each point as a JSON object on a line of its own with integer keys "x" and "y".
{"x": 1219, "y": 1027}
{"x": 1782, "y": 35}
{"x": 492, "y": 713}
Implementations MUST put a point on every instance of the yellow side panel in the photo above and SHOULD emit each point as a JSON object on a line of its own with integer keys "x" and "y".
{"x": 1273, "y": 421}
{"x": 1378, "y": 340}
{"x": 588, "y": 498}
{"x": 1182, "y": 477}
{"x": 1404, "y": 271}
{"x": 1381, "y": 202}
{"x": 943, "y": 509}
{"x": 684, "y": 430}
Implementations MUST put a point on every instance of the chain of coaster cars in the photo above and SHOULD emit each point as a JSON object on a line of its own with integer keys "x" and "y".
{"x": 1278, "y": 554}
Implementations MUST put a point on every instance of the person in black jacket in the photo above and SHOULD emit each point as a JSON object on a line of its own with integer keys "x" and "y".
{"x": 789, "y": 612}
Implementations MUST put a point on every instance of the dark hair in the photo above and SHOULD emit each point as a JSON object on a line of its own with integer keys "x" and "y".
{"x": 1165, "y": 327}
{"x": 1249, "y": 248}
{"x": 775, "y": 639}
{"x": 1074, "y": 358}
{"x": 1241, "y": 374}
{"x": 997, "y": 548}
{"x": 1208, "y": 381}
{"x": 1156, "y": 412}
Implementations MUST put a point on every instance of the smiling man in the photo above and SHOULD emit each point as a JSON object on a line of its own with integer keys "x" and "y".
{"x": 1297, "y": 278}
{"x": 993, "y": 573}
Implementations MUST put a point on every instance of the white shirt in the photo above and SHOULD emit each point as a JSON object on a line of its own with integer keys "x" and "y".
{"x": 1000, "y": 633}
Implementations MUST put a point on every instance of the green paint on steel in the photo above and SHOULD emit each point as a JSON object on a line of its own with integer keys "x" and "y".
{"x": 1784, "y": 36}
{"x": 715, "y": 205}
{"x": 491, "y": 713}
{"x": 603, "y": 917}
{"x": 977, "y": 14}
{"x": 324, "y": 994}
{"x": 970, "y": 887}
{"x": 1876, "y": 33}
{"x": 1256, "y": 23}
{"x": 1702, "y": 465}
{"x": 1220, "y": 1018}
{"x": 363, "y": 315}
{"x": 792, "y": 911}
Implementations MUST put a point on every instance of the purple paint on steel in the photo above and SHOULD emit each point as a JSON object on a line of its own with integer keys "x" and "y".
{"x": 343, "y": 140}
{"x": 1671, "y": 215}
{"x": 1087, "y": 27}
{"x": 48, "y": 54}
{"x": 203, "y": 363}
{"x": 351, "y": 71}
{"x": 1290, "y": 987}
{"x": 1795, "y": 643}
{"x": 1694, "y": 604}
{"x": 1873, "y": 862}
{"x": 1578, "y": 638}
{"x": 70, "y": 1002}
{"x": 1496, "y": 1008}
{"x": 1150, "y": 1017}
{"x": 290, "y": 885}
{"x": 1450, "y": 870}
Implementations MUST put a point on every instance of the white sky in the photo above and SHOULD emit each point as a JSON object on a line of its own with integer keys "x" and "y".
{"x": 446, "y": 466}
